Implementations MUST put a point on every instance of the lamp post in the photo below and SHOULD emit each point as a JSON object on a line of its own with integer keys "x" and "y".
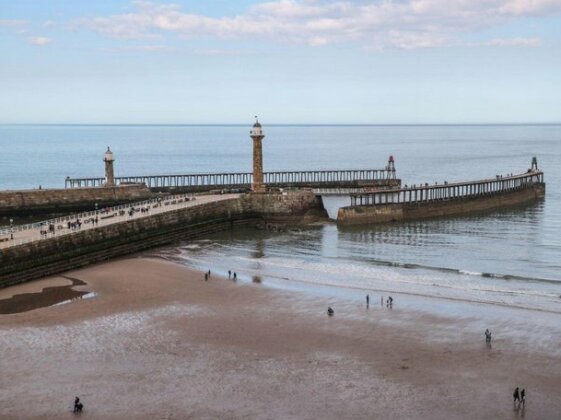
{"x": 11, "y": 228}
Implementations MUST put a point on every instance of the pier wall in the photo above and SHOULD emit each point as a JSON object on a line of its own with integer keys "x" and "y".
{"x": 54, "y": 255}
{"x": 51, "y": 201}
{"x": 361, "y": 215}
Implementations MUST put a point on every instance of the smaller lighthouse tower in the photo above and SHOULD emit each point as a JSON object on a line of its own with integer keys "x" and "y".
{"x": 534, "y": 167}
{"x": 257, "y": 136}
{"x": 390, "y": 168}
{"x": 109, "y": 174}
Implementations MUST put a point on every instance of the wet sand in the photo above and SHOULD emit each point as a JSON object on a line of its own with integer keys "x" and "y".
{"x": 47, "y": 296}
{"x": 158, "y": 341}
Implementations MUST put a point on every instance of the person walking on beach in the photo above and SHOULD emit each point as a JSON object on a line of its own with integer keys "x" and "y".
{"x": 390, "y": 302}
{"x": 235, "y": 276}
{"x": 206, "y": 276}
{"x": 229, "y": 273}
{"x": 523, "y": 397}
{"x": 381, "y": 300}
{"x": 516, "y": 396}
{"x": 367, "y": 301}
{"x": 488, "y": 336}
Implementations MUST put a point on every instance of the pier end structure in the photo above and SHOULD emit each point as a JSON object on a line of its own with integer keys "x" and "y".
{"x": 442, "y": 200}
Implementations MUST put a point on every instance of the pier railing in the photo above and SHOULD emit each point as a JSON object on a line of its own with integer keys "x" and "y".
{"x": 241, "y": 179}
{"x": 32, "y": 231}
{"x": 341, "y": 191}
{"x": 448, "y": 191}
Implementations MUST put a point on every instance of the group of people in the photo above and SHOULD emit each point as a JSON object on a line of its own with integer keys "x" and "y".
{"x": 73, "y": 225}
{"x": 519, "y": 397}
{"x": 232, "y": 276}
{"x": 76, "y": 225}
{"x": 141, "y": 210}
{"x": 47, "y": 228}
{"x": 50, "y": 229}
{"x": 389, "y": 304}
{"x": 78, "y": 406}
{"x": 389, "y": 301}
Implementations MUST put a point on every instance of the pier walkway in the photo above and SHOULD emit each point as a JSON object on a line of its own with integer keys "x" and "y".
{"x": 38, "y": 231}
{"x": 419, "y": 194}
{"x": 198, "y": 182}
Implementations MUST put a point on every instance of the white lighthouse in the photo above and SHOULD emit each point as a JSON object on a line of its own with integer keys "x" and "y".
{"x": 109, "y": 174}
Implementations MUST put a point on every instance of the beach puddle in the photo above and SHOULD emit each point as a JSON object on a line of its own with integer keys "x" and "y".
{"x": 49, "y": 296}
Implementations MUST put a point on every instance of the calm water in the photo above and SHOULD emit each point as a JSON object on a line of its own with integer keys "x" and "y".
{"x": 510, "y": 257}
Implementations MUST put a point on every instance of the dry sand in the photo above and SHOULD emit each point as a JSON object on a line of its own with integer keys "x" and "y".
{"x": 158, "y": 342}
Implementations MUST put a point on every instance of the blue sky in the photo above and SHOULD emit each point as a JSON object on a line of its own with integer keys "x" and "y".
{"x": 288, "y": 61}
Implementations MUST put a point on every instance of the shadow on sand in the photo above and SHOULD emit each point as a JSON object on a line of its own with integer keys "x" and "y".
{"x": 47, "y": 297}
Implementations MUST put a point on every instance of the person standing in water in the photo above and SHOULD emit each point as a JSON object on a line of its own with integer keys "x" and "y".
{"x": 367, "y": 301}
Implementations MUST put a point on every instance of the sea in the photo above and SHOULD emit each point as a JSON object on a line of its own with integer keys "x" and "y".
{"x": 510, "y": 257}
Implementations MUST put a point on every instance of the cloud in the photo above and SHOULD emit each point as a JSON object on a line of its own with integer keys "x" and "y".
{"x": 141, "y": 48}
{"x": 530, "y": 7}
{"x": 513, "y": 42}
{"x": 221, "y": 52}
{"x": 13, "y": 23}
{"x": 372, "y": 24}
{"x": 39, "y": 40}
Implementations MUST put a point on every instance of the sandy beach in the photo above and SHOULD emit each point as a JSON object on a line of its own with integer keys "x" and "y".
{"x": 158, "y": 342}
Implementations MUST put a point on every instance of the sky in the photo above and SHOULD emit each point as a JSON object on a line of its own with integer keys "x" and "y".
{"x": 288, "y": 61}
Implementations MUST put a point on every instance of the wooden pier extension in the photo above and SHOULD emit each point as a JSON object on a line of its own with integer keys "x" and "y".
{"x": 425, "y": 201}
{"x": 242, "y": 180}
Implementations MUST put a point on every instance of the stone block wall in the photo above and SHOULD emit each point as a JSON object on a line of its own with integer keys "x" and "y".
{"x": 287, "y": 207}
{"x": 58, "y": 254}
{"x": 26, "y": 202}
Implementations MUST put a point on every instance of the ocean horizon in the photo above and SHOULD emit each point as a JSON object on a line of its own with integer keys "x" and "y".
{"x": 242, "y": 124}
